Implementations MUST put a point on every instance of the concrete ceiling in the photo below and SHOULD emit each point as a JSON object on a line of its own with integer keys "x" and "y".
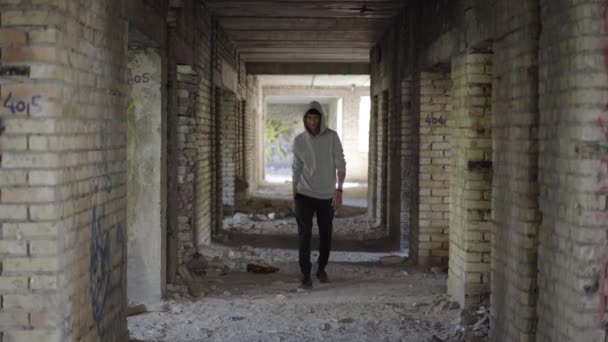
{"x": 305, "y": 30}
{"x": 315, "y": 80}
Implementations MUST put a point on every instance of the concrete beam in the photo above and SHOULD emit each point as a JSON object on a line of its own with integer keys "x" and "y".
{"x": 330, "y": 24}
{"x": 308, "y": 68}
{"x": 146, "y": 21}
{"x": 309, "y": 8}
{"x": 254, "y": 44}
{"x": 304, "y": 58}
{"x": 297, "y": 35}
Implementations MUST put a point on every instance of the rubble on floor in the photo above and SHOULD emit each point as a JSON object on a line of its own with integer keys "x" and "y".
{"x": 276, "y": 223}
{"x": 474, "y": 326}
{"x": 366, "y": 301}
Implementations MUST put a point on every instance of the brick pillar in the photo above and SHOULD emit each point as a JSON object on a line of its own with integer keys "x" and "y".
{"x": 471, "y": 181}
{"x": 204, "y": 210}
{"x": 515, "y": 211}
{"x": 409, "y": 169}
{"x": 382, "y": 159}
{"x": 573, "y": 171}
{"x": 372, "y": 183}
{"x": 186, "y": 160}
{"x": 432, "y": 236}
{"x": 62, "y": 172}
{"x": 227, "y": 115}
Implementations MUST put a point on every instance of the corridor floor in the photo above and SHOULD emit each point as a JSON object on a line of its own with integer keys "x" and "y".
{"x": 365, "y": 301}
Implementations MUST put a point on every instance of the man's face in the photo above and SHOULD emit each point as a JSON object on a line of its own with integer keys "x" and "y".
{"x": 313, "y": 123}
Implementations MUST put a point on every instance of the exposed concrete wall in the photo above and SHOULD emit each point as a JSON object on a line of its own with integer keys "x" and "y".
{"x": 356, "y": 161}
{"x": 287, "y": 118}
{"x": 145, "y": 228}
{"x": 278, "y": 149}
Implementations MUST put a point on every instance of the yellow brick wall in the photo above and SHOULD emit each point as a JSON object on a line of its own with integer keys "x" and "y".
{"x": 62, "y": 175}
{"x": 434, "y": 173}
{"x": 471, "y": 178}
{"x": 573, "y": 172}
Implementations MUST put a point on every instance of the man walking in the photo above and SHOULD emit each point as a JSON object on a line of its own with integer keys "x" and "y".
{"x": 318, "y": 156}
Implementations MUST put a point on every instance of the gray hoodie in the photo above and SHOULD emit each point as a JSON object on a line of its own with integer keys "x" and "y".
{"x": 316, "y": 159}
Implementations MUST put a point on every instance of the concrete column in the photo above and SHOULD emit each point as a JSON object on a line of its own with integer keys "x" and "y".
{"x": 471, "y": 181}
{"x": 145, "y": 222}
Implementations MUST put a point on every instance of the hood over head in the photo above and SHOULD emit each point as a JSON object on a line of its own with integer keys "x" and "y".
{"x": 316, "y": 106}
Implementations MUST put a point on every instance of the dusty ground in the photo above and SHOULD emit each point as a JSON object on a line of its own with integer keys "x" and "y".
{"x": 365, "y": 301}
{"x": 281, "y": 223}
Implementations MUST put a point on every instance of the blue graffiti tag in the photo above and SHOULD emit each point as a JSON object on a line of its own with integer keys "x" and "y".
{"x": 102, "y": 247}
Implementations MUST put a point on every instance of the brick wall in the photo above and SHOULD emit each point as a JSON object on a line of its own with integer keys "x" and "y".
{"x": 471, "y": 181}
{"x": 432, "y": 237}
{"x": 205, "y": 201}
{"x": 186, "y": 160}
{"x": 227, "y": 116}
{"x": 62, "y": 176}
{"x": 572, "y": 171}
{"x": 410, "y": 151}
{"x": 252, "y": 113}
{"x": 515, "y": 213}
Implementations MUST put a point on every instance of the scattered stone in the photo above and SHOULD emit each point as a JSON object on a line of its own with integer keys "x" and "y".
{"x": 392, "y": 260}
{"x": 133, "y": 310}
{"x": 467, "y": 317}
{"x": 260, "y": 217}
{"x": 263, "y": 269}
{"x": 198, "y": 264}
{"x": 240, "y": 218}
{"x": 227, "y": 293}
{"x": 346, "y": 320}
{"x": 326, "y": 327}
{"x": 272, "y": 216}
{"x": 281, "y": 297}
{"x": 436, "y": 270}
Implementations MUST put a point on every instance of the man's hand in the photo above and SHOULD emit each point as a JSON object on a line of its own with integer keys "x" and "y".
{"x": 337, "y": 201}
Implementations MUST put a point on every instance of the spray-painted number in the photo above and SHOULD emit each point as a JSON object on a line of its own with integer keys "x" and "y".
{"x": 19, "y": 106}
{"x": 432, "y": 120}
{"x": 143, "y": 78}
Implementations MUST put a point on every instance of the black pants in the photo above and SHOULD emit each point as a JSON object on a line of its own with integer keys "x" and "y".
{"x": 306, "y": 207}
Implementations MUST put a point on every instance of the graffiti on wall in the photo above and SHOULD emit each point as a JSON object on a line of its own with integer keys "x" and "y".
{"x": 106, "y": 287}
{"x": 272, "y": 138}
{"x": 132, "y": 147}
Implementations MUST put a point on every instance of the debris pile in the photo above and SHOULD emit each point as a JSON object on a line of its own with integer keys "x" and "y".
{"x": 474, "y": 327}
